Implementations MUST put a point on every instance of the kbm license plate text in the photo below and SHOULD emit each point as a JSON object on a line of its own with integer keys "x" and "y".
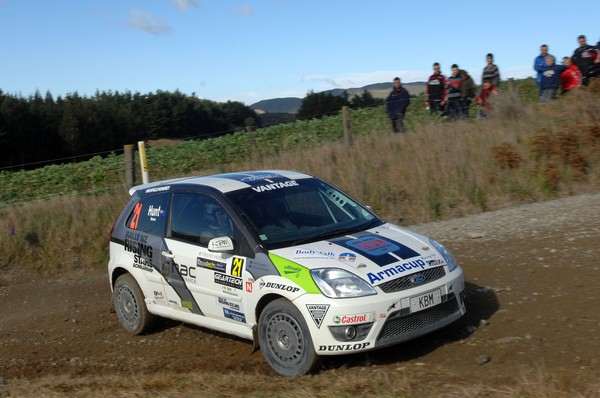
{"x": 426, "y": 300}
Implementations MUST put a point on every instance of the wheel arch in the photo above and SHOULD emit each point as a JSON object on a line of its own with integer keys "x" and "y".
{"x": 264, "y": 301}
{"x": 117, "y": 272}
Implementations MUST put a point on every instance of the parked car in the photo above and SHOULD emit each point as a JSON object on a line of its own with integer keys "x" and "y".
{"x": 281, "y": 258}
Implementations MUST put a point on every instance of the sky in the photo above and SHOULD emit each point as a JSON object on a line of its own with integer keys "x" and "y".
{"x": 251, "y": 50}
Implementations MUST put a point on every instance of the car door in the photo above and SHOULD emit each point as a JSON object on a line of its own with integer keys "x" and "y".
{"x": 205, "y": 282}
{"x": 143, "y": 241}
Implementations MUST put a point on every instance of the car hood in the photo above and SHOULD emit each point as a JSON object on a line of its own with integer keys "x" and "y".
{"x": 376, "y": 255}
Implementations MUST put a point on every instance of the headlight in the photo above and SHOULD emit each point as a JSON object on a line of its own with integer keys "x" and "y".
{"x": 338, "y": 283}
{"x": 452, "y": 264}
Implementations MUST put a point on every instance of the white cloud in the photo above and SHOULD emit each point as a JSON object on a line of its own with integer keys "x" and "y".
{"x": 517, "y": 72}
{"x": 244, "y": 10}
{"x": 146, "y": 22}
{"x": 184, "y": 5}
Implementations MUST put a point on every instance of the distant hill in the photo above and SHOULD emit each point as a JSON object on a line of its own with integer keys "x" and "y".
{"x": 292, "y": 104}
{"x": 278, "y": 105}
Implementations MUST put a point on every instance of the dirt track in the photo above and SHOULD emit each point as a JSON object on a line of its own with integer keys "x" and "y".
{"x": 533, "y": 291}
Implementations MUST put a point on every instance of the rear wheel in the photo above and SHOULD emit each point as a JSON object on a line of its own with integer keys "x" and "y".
{"x": 285, "y": 340}
{"x": 130, "y": 306}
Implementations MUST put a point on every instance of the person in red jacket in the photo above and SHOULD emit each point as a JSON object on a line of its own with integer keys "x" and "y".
{"x": 483, "y": 99}
{"x": 571, "y": 78}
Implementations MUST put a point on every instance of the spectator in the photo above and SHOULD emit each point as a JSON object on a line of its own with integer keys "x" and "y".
{"x": 596, "y": 67}
{"x": 468, "y": 91}
{"x": 571, "y": 77}
{"x": 491, "y": 71}
{"x": 539, "y": 65}
{"x": 584, "y": 58}
{"x": 454, "y": 93}
{"x": 483, "y": 99}
{"x": 435, "y": 90}
{"x": 397, "y": 102}
{"x": 550, "y": 79}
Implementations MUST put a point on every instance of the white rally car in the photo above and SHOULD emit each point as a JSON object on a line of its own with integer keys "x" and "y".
{"x": 281, "y": 258}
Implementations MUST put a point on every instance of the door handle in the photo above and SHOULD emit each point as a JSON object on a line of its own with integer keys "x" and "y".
{"x": 168, "y": 254}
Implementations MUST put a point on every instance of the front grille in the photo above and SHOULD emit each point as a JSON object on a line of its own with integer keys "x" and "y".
{"x": 399, "y": 327}
{"x": 405, "y": 282}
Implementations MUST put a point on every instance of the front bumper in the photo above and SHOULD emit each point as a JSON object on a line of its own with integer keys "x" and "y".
{"x": 383, "y": 319}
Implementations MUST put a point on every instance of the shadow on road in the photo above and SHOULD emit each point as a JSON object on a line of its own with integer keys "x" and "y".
{"x": 481, "y": 304}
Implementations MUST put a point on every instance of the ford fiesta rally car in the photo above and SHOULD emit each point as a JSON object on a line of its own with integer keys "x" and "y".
{"x": 281, "y": 258}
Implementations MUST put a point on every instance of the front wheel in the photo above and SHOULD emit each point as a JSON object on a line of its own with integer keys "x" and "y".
{"x": 130, "y": 306}
{"x": 285, "y": 340}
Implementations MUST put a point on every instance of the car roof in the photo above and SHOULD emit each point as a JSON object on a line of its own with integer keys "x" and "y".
{"x": 225, "y": 182}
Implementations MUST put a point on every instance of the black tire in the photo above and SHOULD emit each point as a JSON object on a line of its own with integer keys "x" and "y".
{"x": 285, "y": 340}
{"x": 130, "y": 306}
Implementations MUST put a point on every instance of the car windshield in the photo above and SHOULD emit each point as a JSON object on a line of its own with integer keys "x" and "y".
{"x": 300, "y": 211}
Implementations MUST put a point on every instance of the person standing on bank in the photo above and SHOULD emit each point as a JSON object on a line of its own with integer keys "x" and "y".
{"x": 491, "y": 71}
{"x": 584, "y": 57}
{"x": 435, "y": 91}
{"x": 539, "y": 65}
{"x": 550, "y": 79}
{"x": 397, "y": 102}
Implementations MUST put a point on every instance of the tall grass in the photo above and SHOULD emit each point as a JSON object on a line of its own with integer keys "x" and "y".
{"x": 439, "y": 170}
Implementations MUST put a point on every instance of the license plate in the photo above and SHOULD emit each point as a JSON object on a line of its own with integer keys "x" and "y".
{"x": 426, "y": 300}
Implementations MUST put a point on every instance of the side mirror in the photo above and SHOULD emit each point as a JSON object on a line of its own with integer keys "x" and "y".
{"x": 220, "y": 244}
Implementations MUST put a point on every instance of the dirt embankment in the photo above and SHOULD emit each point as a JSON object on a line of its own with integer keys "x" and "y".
{"x": 533, "y": 290}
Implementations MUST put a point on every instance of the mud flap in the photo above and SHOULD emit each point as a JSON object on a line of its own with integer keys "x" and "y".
{"x": 255, "y": 343}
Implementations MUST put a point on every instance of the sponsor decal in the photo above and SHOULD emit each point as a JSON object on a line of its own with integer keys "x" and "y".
{"x": 232, "y": 305}
{"x": 230, "y": 291}
{"x": 158, "y": 189}
{"x": 228, "y": 280}
{"x": 289, "y": 269}
{"x": 344, "y": 347}
{"x": 382, "y": 251}
{"x": 393, "y": 271}
{"x": 188, "y": 274}
{"x": 154, "y": 212}
{"x": 219, "y": 243}
{"x": 317, "y": 312}
{"x": 237, "y": 266}
{"x": 142, "y": 254}
{"x": 136, "y": 236}
{"x": 275, "y": 185}
{"x": 433, "y": 263}
{"x": 259, "y": 177}
{"x": 350, "y": 319}
{"x": 249, "y": 287}
{"x": 278, "y": 286}
{"x": 347, "y": 257}
{"x": 212, "y": 265}
{"x": 187, "y": 304}
{"x": 307, "y": 253}
{"x": 235, "y": 315}
{"x": 373, "y": 245}
{"x": 159, "y": 295}
{"x": 361, "y": 265}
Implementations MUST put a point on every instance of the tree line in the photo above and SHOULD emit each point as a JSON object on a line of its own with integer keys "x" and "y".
{"x": 38, "y": 129}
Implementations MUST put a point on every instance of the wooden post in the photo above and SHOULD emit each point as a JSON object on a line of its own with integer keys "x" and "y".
{"x": 347, "y": 129}
{"x": 511, "y": 84}
{"x": 129, "y": 165}
{"x": 143, "y": 162}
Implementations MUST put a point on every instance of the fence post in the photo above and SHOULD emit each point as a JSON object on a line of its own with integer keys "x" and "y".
{"x": 129, "y": 165}
{"x": 143, "y": 163}
{"x": 347, "y": 129}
